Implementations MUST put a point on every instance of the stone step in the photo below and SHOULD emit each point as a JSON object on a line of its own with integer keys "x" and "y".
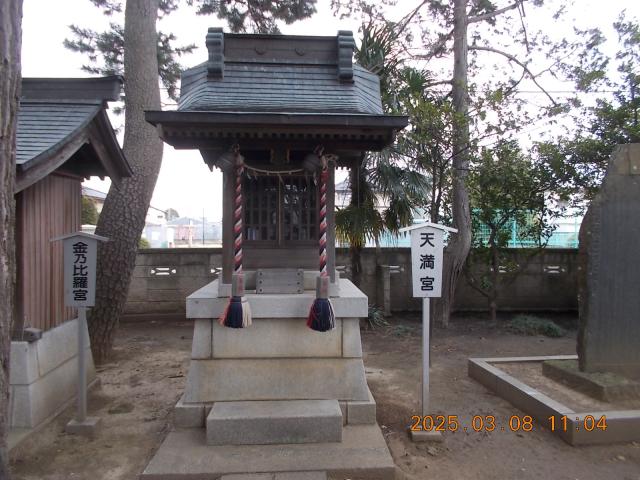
{"x": 184, "y": 455}
{"x": 274, "y": 422}
{"x": 276, "y": 476}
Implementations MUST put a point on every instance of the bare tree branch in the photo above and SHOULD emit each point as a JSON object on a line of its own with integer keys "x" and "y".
{"x": 473, "y": 282}
{"x": 495, "y": 13}
{"x": 407, "y": 19}
{"x": 441, "y": 82}
{"x": 441, "y": 43}
{"x": 524, "y": 27}
{"x": 513, "y": 59}
{"x": 433, "y": 51}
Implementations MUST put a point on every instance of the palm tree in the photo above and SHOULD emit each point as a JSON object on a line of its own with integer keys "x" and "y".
{"x": 386, "y": 187}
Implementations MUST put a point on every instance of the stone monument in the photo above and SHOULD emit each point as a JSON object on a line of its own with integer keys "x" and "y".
{"x": 609, "y": 293}
{"x": 277, "y": 399}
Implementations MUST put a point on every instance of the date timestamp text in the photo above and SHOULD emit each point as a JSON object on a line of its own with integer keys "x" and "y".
{"x": 515, "y": 423}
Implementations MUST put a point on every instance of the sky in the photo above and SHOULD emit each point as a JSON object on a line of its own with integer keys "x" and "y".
{"x": 185, "y": 182}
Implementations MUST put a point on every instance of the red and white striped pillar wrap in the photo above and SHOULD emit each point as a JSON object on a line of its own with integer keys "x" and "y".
{"x": 237, "y": 217}
{"x": 321, "y": 315}
{"x": 324, "y": 177}
{"x": 238, "y": 313}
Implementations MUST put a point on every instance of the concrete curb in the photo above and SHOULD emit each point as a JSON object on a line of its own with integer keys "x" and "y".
{"x": 622, "y": 426}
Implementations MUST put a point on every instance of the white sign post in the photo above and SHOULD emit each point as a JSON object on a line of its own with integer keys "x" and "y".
{"x": 427, "y": 255}
{"x": 80, "y": 253}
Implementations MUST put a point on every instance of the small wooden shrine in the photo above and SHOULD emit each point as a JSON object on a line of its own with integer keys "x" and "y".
{"x": 277, "y": 114}
{"x": 64, "y": 136}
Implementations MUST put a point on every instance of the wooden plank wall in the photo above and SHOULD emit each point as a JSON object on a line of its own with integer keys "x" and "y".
{"x": 47, "y": 209}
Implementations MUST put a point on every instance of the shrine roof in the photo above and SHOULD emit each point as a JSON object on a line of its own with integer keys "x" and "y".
{"x": 42, "y": 126}
{"x": 280, "y": 73}
{"x": 63, "y": 124}
{"x": 280, "y": 88}
{"x": 263, "y": 89}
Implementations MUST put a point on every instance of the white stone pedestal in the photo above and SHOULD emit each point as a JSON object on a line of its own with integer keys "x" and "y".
{"x": 288, "y": 378}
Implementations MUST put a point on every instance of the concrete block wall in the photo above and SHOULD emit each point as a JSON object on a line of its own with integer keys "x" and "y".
{"x": 44, "y": 375}
{"x": 547, "y": 282}
{"x": 163, "y": 278}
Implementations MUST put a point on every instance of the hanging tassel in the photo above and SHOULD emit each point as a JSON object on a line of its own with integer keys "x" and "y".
{"x": 321, "y": 317}
{"x": 238, "y": 313}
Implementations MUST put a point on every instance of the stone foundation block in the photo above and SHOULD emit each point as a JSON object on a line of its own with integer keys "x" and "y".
{"x": 248, "y": 476}
{"x": 87, "y": 428}
{"x": 301, "y": 476}
{"x": 184, "y": 455}
{"x": 351, "y": 343}
{"x": 275, "y": 379}
{"x": 424, "y": 436}
{"x": 201, "y": 346}
{"x": 188, "y": 415}
{"x": 24, "y": 363}
{"x": 362, "y": 413}
{"x": 274, "y": 422}
{"x": 277, "y": 476}
{"x": 276, "y": 338}
{"x": 44, "y": 375}
{"x": 343, "y": 409}
{"x": 207, "y": 303}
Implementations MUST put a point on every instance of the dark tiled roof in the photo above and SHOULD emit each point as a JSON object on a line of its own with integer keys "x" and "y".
{"x": 63, "y": 126}
{"x": 290, "y": 88}
{"x": 275, "y": 90}
{"x": 46, "y": 126}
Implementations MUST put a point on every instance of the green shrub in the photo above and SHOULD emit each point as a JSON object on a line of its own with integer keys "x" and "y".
{"x": 403, "y": 330}
{"x": 143, "y": 243}
{"x": 89, "y": 212}
{"x": 532, "y": 325}
{"x": 375, "y": 317}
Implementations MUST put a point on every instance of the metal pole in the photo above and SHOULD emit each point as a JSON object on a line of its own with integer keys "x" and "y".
{"x": 82, "y": 367}
{"x": 425, "y": 355}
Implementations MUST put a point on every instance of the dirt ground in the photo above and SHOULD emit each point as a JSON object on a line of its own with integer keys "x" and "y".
{"x": 146, "y": 377}
{"x": 531, "y": 374}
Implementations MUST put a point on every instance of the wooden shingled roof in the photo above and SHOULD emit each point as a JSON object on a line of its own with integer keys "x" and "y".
{"x": 63, "y": 126}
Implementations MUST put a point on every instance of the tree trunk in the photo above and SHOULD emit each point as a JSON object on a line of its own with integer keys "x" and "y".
{"x": 356, "y": 264}
{"x": 355, "y": 251}
{"x": 123, "y": 216}
{"x": 495, "y": 276}
{"x": 10, "y": 40}
{"x": 460, "y": 243}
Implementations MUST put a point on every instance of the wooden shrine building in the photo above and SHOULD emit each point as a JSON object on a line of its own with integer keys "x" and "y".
{"x": 277, "y": 114}
{"x": 64, "y": 136}
{"x": 278, "y": 98}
